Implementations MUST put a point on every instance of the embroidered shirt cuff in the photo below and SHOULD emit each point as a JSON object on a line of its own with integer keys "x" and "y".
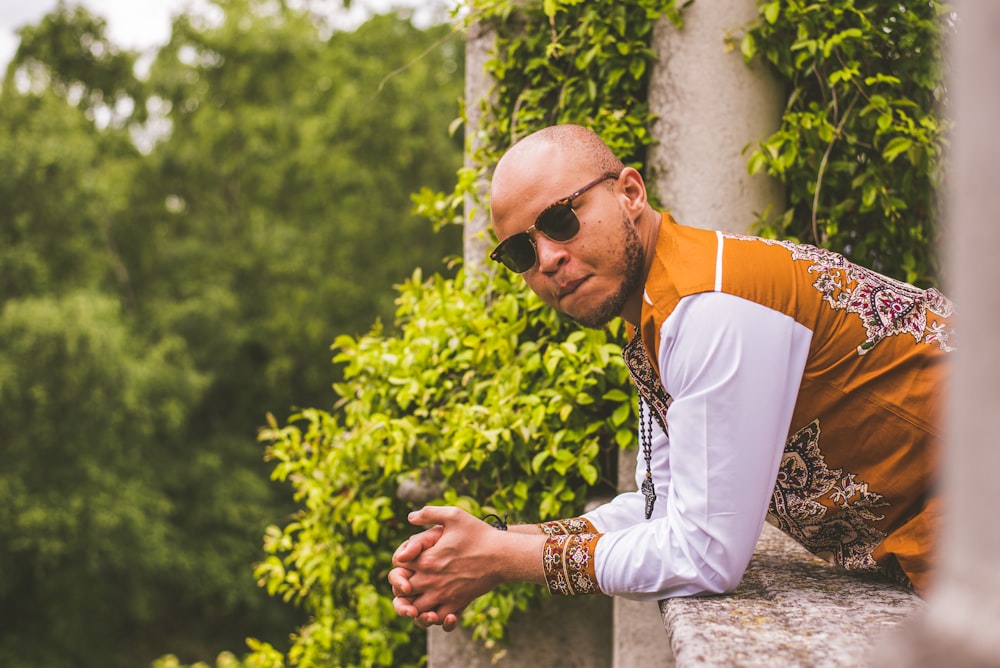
{"x": 574, "y": 525}
{"x": 568, "y": 562}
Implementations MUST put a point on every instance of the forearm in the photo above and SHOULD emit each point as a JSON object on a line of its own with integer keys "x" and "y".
{"x": 557, "y": 554}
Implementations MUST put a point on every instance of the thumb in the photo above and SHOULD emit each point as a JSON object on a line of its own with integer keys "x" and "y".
{"x": 414, "y": 545}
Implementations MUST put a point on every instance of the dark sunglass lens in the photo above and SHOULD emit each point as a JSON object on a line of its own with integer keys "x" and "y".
{"x": 558, "y": 222}
{"x": 518, "y": 253}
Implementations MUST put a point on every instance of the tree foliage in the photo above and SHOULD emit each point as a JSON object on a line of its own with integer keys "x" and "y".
{"x": 85, "y": 511}
{"x": 177, "y": 252}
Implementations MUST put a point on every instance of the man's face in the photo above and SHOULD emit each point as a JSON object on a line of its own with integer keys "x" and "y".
{"x": 591, "y": 276}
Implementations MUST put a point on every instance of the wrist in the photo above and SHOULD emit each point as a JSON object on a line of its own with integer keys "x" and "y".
{"x": 516, "y": 555}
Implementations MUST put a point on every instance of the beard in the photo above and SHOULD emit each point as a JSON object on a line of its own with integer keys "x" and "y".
{"x": 629, "y": 263}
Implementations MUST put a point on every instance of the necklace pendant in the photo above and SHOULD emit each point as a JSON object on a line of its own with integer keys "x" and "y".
{"x": 650, "y": 494}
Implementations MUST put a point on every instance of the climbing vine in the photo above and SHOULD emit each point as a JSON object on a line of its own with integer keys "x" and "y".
{"x": 588, "y": 65}
{"x": 861, "y": 139}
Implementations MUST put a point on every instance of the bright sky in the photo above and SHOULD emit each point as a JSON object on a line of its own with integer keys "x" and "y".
{"x": 133, "y": 24}
{"x": 140, "y": 24}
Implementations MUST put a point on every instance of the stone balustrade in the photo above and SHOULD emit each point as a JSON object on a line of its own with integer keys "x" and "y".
{"x": 790, "y": 609}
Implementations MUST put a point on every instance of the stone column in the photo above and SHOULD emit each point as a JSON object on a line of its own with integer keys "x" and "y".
{"x": 478, "y": 43}
{"x": 710, "y": 106}
{"x": 961, "y": 627}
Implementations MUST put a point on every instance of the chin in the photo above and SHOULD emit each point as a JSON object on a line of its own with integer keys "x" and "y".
{"x": 595, "y": 319}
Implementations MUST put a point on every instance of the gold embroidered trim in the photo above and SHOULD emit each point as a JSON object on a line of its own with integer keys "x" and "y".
{"x": 568, "y": 563}
{"x": 574, "y": 525}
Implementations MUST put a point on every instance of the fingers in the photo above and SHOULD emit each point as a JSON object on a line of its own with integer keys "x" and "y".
{"x": 429, "y": 515}
{"x": 404, "y": 607}
{"x": 425, "y": 608}
{"x": 427, "y": 619}
{"x": 407, "y": 551}
{"x": 448, "y": 622}
{"x": 399, "y": 579}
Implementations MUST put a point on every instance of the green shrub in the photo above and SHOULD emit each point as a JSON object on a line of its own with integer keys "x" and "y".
{"x": 507, "y": 406}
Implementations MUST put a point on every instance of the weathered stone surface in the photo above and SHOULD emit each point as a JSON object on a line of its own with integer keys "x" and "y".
{"x": 791, "y": 609}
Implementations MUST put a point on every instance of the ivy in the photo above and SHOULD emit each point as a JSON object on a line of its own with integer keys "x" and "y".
{"x": 590, "y": 66}
{"x": 860, "y": 142}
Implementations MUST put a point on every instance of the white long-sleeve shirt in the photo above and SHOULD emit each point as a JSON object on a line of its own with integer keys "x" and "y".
{"x": 733, "y": 371}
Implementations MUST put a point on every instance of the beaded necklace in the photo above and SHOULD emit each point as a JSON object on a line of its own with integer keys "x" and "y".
{"x": 646, "y": 439}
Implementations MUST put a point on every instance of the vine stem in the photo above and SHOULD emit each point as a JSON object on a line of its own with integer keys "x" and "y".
{"x": 823, "y": 163}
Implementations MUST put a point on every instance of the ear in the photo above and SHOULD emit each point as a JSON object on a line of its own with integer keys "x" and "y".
{"x": 634, "y": 189}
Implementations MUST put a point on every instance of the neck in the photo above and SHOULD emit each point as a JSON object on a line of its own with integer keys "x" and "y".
{"x": 648, "y": 228}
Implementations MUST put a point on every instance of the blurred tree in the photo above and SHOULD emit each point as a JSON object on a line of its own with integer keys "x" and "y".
{"x": 158, "y": 301}
{"x": 69, "y": 53}
{"x": 89, "y": 419}
{"x": 279, "y": 202}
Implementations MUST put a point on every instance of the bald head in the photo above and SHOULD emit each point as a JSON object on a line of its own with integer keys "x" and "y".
{"x": 554, "y": 148}
{"x": 550, "y": 163}
{"x": 574, "y": 141}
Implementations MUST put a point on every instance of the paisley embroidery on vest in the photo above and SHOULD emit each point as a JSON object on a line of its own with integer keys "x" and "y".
{"x": 887, "y": 307}
{"x": 824, "y": 509}
{"x": 646, "y": 380}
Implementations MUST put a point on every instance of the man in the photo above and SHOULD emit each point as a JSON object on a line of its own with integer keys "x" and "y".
{"x": 775, "y": 380}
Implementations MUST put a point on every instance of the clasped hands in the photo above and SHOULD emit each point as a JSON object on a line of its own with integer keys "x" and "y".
{"x": 441, "y": 570}
{"x": 438, "y": 572}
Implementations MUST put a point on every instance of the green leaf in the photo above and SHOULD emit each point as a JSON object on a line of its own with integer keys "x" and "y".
{"x": 896, "y": 146}
{"x": 588, "y": 472}
{"x": 771, "y": 11}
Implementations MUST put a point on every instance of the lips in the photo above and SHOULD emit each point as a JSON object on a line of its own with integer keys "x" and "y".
{"x": 566, "y": 289}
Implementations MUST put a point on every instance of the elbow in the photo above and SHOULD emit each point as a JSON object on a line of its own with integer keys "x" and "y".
{"x": 721, "y": 582}
{"x": 722, "y": 575}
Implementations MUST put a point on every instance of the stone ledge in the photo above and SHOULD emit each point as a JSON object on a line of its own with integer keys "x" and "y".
{"x": 791, "y": 609}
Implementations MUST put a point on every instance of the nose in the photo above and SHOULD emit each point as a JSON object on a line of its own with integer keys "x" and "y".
{"x": 551, "y": 254}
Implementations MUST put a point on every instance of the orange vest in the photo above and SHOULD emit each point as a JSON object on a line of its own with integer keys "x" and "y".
{"x": 856, "y": 481}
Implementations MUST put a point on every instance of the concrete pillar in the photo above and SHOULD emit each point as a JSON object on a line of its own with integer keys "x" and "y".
{"x": 710, "y": 106}
{"x": 961, "y": 627}
{"x": 478, "y": 43}
{"x": 639, "y": 639}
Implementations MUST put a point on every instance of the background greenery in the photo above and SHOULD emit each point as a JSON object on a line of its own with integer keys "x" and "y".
{"x": 156, "y": 304}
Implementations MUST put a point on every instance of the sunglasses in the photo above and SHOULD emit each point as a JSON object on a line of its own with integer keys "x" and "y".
{"x": 557, "y": 221}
